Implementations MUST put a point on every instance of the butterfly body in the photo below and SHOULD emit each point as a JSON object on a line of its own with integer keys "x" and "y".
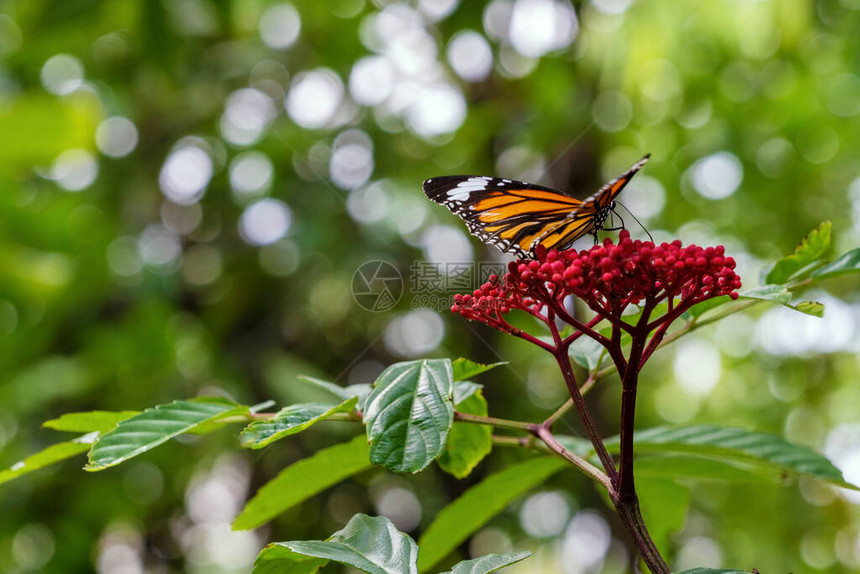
{"x": 516, "y": 216}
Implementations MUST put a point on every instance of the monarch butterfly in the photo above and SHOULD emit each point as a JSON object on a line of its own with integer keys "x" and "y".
{"x": 516, "y": 217}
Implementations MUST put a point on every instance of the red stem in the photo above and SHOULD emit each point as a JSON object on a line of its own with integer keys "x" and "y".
{"x": 563, "y": 360}
{"x": 626, "y": 501}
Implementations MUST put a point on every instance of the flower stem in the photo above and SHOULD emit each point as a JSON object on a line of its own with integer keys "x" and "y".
{"x": 625, "y": 500}
{"x": 631, "y": 517}
{"x": 629, "y": 385}
{"x": 563, "y": 360}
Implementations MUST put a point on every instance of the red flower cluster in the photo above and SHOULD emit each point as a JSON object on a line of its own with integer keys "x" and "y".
{"x": 607, "y": 278}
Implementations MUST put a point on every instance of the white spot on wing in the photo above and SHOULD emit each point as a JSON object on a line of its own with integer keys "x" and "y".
{"x": 464, "y": 188}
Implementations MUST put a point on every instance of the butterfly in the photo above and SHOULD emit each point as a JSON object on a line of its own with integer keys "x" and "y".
{"x": 516, "y": 217}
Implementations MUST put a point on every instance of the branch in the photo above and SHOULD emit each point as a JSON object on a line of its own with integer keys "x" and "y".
{"x": 585, "y": 416}
{"x": 547, "y": 437}
{"x": 496, "y": 422}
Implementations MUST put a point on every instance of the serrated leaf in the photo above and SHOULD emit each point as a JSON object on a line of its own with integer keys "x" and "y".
{"x": 304, "y": 479}
{"x": 291, "y": 420}
{"x": 465, "y": 369}
{"x": 93, "y": 421}
{"x": 780, "y": 294}
{"x": 810, "y": 250}
{"x": 155, "y": 426}
{"x": 848, "y": 262}
{"x": 49, "y": 455}
{"x": 479, "y": 504}
{"x": 587, "y": 353}
{"x": 409, "y": 413}
{"x": 488, "y": 563}
{"x": 468, "y": 443}
{"x": 369, "y": 544}
{"x": 736, "y": 445}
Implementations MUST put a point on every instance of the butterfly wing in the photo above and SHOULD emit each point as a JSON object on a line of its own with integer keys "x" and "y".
{"x": 590, "y": 215}
{"x": 512, "y": 215}
{"x": 516, "y": 216}
{"x": 601, "y": 200}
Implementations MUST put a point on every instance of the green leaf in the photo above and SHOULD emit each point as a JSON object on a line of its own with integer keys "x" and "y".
{"x": 333, "y": 388}
{"x": 155, "y": 426}
{"x": 276, "y": 559}
{"x": 714, "y": 571}
{"x": 808, "y": 252}
{"x": 780, "y": 294}
{"x": 409, "y": 413}
{"x": 468, "y": 443}
{"x": 369, "y": 544}
{"x": 846, "y": 263}
{"x": 50, "y": 455}
{"x": 701, "y": 469}
{"x": 465, "y": 369}
{"x": 304, "y": 479}
{"x": 261, "y": 406}
{"x": 93, "y": 421}
{"x": 465, "y": 389}
{"x": 774, "y": 293}
{"x": 466, "y": 515}
{"x": 289, "y": 421}
{"x": 488, "y": 563}
{"x": 664, "y": 465}
{"x": 359, "y": 391}
{"x": 738, "y": 446}
{"x": 664, "y": 507}
{"x": 700, "y": 309}
{"x": 587, "y": 352}
{"x": 813, "y": 308}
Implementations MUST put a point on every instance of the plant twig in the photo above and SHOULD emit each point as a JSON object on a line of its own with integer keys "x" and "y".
{"x": 496, "y": 422}
{"x": 549, "y": 439}
{"x": 563, "y": 360}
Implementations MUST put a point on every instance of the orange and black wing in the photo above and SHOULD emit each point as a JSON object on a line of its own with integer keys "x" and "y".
{"x": 516, "y": 217}
{"x": 512, "y": 215}
{"x": 591, "y": 214}
{"x": 602, "y": 200}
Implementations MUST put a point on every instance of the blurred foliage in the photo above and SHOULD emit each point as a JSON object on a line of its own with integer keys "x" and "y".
{"x": 128, "y": 280}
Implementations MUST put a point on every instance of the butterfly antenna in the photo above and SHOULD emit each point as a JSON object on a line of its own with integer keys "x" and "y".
{"x": 637, "y": 220}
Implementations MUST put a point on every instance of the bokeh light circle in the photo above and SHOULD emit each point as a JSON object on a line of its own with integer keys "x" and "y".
{"x": 265, "y": 222}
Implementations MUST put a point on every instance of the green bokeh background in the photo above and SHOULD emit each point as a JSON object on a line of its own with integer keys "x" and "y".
{"x": 88, "y": 320}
